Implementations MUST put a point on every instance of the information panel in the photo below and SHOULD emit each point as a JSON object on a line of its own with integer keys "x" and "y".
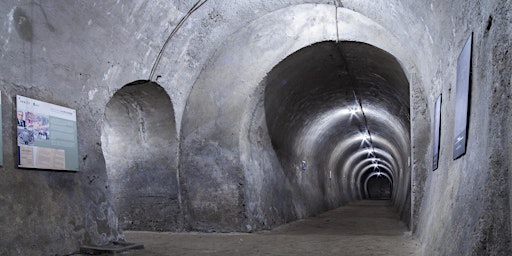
{"x": 437, "y": 133}
{"x": 47, "y": 135}
{"x": 461, "y": 100}
{"x": 1, "y": 137}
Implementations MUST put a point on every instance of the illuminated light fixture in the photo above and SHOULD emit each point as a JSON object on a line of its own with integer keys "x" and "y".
{"x": 365, "y": 139}
{"x": 365, "y": 136}
{"x": 353, "y": 111}
{"x": 370, "y": 153}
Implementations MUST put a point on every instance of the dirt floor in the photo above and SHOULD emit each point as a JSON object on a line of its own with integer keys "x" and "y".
{"x": 362, "y": 228}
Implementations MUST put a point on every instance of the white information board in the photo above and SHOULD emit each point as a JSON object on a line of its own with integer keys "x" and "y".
{"x": 47, "y": 135}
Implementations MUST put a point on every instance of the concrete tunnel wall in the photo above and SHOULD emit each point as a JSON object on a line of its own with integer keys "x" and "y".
{"x": 313, "y": 103}
{"x": 79, "y": 54}
{"x": 217, "y": 143}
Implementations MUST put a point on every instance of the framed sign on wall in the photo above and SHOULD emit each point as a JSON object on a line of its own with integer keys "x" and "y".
{"x": 46, "y": 134}
{"x": 1, "y": 132}
{"x": 462, "y": 100}
{"x": 436, "y": 133}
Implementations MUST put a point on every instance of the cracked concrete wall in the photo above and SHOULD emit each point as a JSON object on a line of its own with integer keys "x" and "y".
{"x": 79, "y": 53}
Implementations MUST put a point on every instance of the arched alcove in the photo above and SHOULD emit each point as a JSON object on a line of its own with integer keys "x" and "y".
{"x": 139, "y": 145}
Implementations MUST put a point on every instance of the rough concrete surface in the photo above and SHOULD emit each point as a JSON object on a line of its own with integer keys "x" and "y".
{"x": 241, "y": 111}
{"x": 138, "y": 114}
{"x": 362, "y": 228}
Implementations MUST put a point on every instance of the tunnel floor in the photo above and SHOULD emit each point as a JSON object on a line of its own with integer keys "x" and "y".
{"x": 362, "y": 228}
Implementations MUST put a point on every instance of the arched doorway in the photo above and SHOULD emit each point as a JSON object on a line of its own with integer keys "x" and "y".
{"x": 378, "y": 186}
{"x": 139, "y": 144}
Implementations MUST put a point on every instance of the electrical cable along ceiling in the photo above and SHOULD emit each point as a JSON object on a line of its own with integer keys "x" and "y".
{"x": 345, "y": 107}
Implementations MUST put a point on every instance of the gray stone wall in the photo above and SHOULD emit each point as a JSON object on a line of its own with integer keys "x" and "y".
{"x": 465, "y": 207}
{"x": 228, "y": 178}
{"x": 76, "y": 54}
{"x": 139, "y": 144}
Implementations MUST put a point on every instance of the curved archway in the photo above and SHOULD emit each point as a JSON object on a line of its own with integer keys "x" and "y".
{"x": 339, "y": 106}
{"x": 228, "y": 151}
{"x": 378, "y": 185}
{"x": 140, "y": 146}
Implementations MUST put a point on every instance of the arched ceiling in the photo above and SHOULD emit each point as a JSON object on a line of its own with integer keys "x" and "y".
{"x": 285, "y": 68}
{"x": 342, "y": 103}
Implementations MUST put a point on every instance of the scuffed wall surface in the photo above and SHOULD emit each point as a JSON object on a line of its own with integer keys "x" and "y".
{"x": 75, "y": 54}
{"x": 139, "y": 144}
{"x": 270, "y": 196}
{"x": 79, "y": 53}
{"x": 466, "y": 209}
{"x": 216, "y": 155}
{"x": 51, "y": 212}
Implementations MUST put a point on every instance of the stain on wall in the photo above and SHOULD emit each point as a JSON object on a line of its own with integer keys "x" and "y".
{"x": 23, "y": 25}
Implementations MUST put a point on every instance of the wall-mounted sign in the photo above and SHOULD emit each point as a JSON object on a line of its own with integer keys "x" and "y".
{"x": 47, "y": 135}
{"x": 462, "y": 99}
{"x": 436, "y": 132}
{"x": 1, "y": 137}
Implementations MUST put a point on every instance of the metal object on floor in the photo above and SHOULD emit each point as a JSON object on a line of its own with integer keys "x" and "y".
{"x": 112, "y": 248}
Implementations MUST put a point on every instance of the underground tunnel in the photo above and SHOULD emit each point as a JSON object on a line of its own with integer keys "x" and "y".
{"x": 308, "y": 138}
{"x": 262, "y": 113}
{"x": 342, "y": 109}
{"x": 329, "y": 126}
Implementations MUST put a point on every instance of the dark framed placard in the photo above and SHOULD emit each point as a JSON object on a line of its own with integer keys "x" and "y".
{"x": 462, "y": 99}
{"x": 437, "y": 133}
{"x": 1, "y": 132}
{"x": 47, "y": 135}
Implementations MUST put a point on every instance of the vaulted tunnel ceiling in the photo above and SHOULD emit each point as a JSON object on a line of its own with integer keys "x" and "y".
{"x": 346, "y": 104}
